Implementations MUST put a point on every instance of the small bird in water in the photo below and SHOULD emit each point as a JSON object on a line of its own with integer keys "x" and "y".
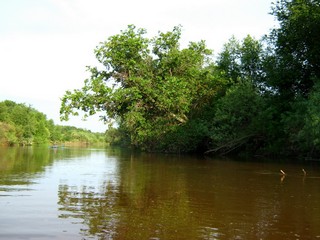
{"x": 304, "y": 172}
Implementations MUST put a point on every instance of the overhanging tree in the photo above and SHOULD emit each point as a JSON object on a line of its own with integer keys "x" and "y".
{"x": 150, "y": 86}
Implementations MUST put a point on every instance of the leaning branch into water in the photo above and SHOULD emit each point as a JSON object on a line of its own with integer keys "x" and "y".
{"x": 230, "y": 146}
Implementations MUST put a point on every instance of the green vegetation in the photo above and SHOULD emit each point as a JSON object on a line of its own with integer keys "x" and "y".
{"x": 257, "y": 96}
{"x": 23, "y": 125}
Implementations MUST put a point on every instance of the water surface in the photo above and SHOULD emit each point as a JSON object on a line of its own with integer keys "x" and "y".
{"x": 87, "y": 193}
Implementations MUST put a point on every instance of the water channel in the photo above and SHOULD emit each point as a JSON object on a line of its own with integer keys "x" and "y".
{"x": 95, "y": 193}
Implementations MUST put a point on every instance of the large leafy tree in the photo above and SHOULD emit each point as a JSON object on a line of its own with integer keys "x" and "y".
{"x": 242, "y": 60}
{"x": 295, "y": 62}
{"x": 292, "y": 72}
{"x": 150, "y": 86}
{"x": 237, "y": 111}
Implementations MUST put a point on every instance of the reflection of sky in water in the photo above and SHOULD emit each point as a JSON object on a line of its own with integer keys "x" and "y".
{"x": 93, "y": 184}
{"x": 90, "y": 170}
{"x": 33, "y": 206}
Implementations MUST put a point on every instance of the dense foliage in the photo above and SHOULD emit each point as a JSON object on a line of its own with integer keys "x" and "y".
{"x": 258, "y": 96}
{"x": 24, "y": 125}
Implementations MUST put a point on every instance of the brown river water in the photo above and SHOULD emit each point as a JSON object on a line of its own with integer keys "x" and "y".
{"x": 92, "y": 193}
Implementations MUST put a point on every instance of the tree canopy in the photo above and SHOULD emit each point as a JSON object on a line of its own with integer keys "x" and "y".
{"x": 256, "y": 95}
{"x": 149, "y": 85}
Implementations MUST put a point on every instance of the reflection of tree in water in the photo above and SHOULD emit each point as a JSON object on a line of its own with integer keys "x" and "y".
{"x": 20, "y": 166}
{"x": 141, "y": 206}
{"x": 32, "y": 160}
{"x": 176, "y": 199}
{"x": 94, "y": 208}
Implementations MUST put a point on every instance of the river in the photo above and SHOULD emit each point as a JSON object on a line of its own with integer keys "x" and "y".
{"x": 94, "y": 193}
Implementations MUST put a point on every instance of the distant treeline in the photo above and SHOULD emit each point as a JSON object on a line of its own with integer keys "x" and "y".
{"x": 23, "y": 125}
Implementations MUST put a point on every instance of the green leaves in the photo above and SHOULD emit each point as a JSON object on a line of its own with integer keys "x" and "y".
{"x": 236, "y": 113}
{"x": 148, "y": 93}
{"x": 242, "y": 60}
{"x": 123, "y": 52}
{"x": 296, "y": 46}
{"x": 171, "y": 99}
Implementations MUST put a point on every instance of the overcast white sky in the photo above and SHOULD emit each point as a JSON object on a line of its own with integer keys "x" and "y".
{"x": 46, "y": 44}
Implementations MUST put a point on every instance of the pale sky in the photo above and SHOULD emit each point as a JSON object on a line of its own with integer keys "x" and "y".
{"x": 45, "y": 45}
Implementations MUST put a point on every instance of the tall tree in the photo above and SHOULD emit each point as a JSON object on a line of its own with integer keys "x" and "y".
{"x": 242, "y": 60}
{"x": 292, "y": 69}
{"x": 149, "y": 85}
{"x": 295, "y": 64}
